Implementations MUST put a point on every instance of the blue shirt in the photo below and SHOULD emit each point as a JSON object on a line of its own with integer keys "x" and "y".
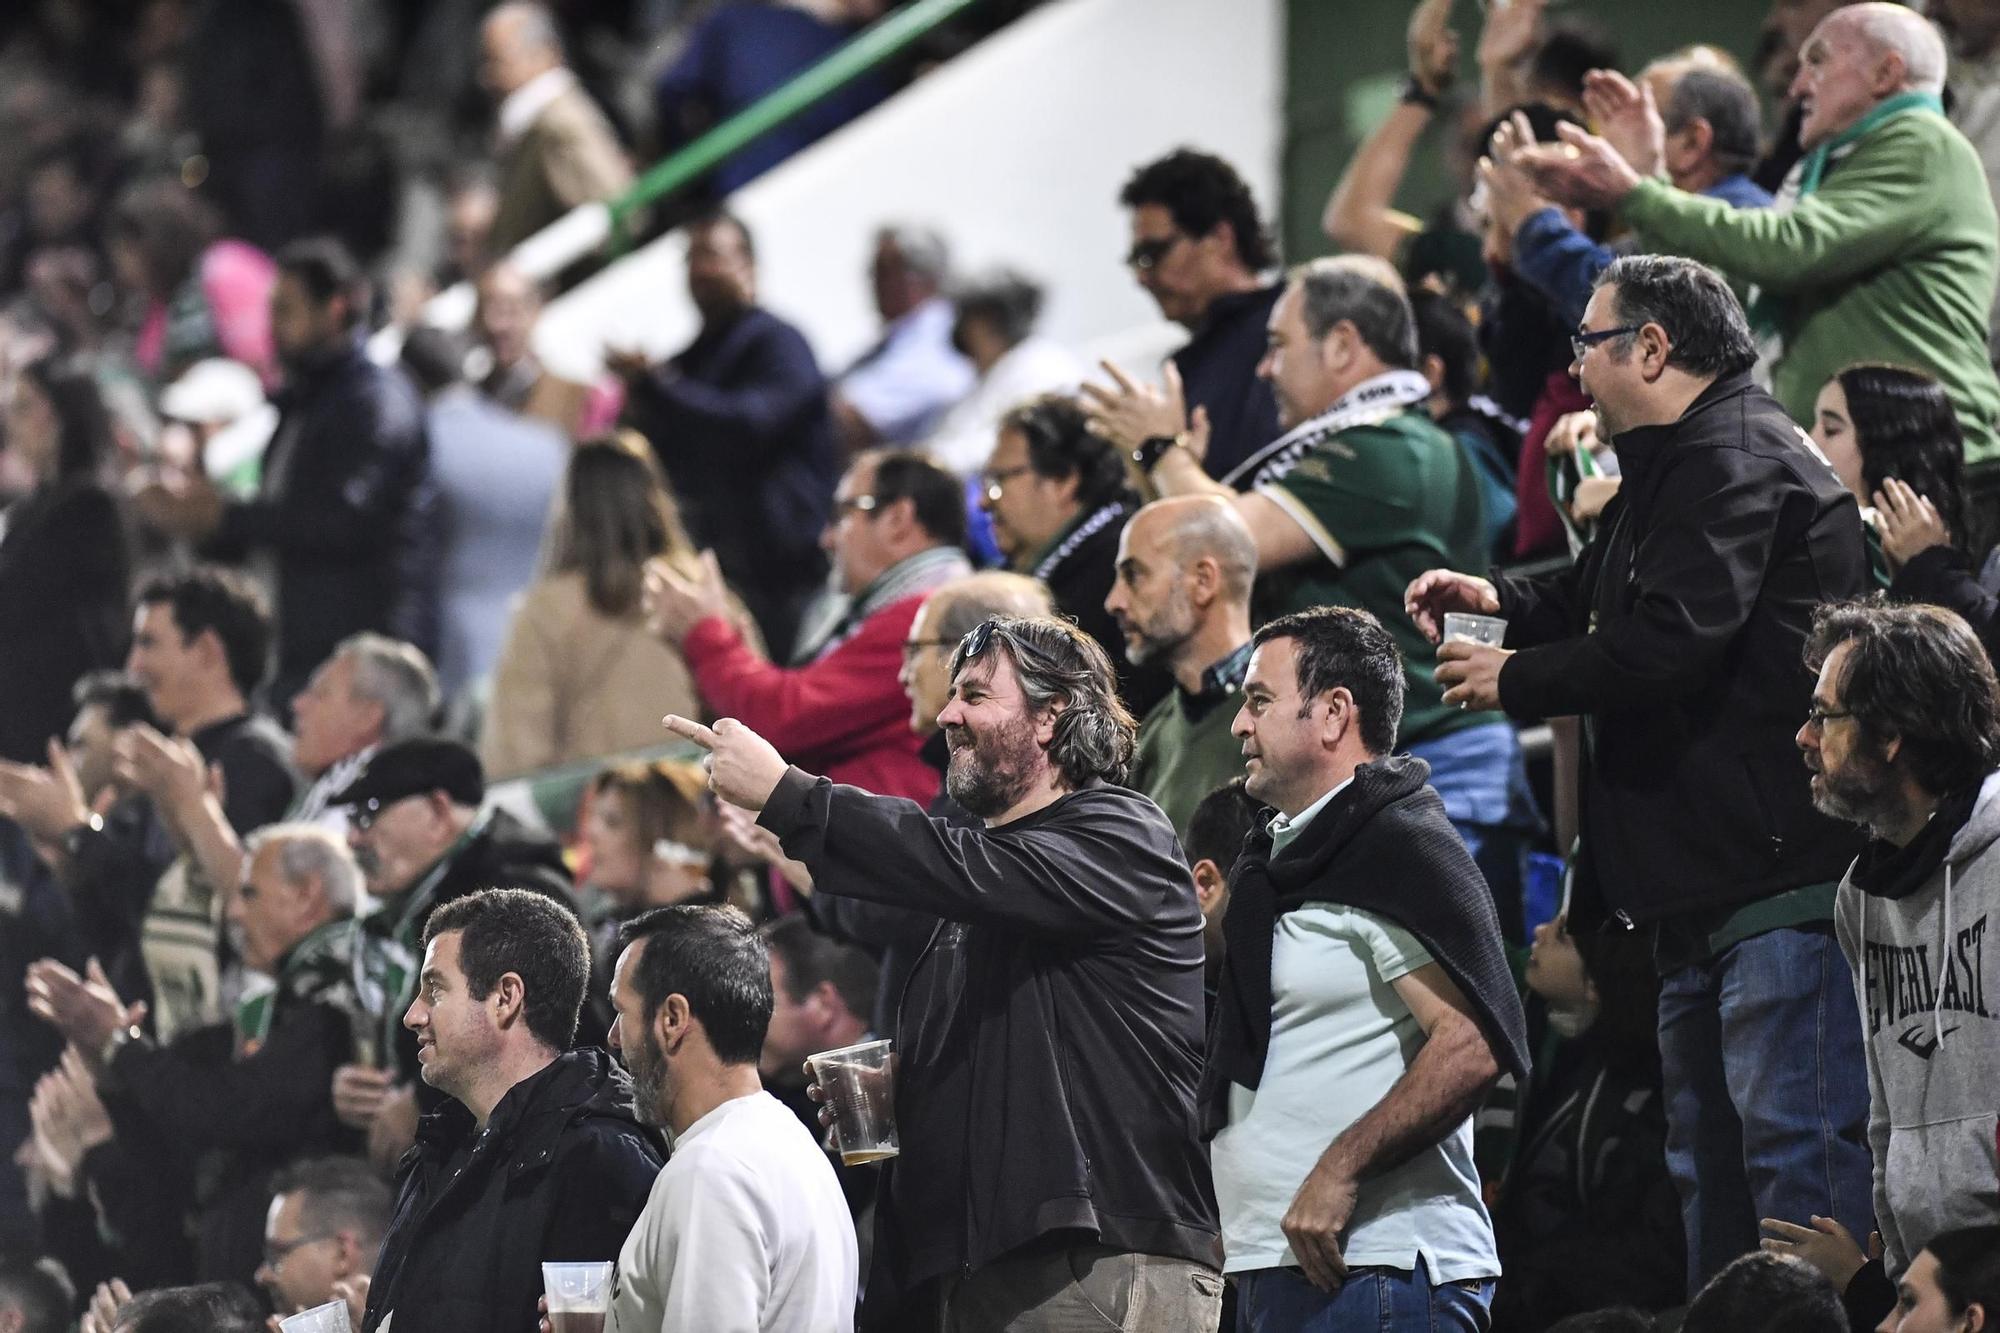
{"x": 906, "y": 383}
{"x": 1561, "y": 262}
{"x": 736, "y": 56}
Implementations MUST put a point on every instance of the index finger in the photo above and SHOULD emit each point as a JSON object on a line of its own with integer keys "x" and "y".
{"x": 689, "y": 729}
{"x": 1123, "y": 380}
{"x": 1786, "y": 1230}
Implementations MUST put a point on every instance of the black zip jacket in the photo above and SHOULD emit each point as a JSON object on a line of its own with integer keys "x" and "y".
{"x": 559, "y": 1176}
{"x": 1049, "y": 1044}
{"x": 1679, "y": 634}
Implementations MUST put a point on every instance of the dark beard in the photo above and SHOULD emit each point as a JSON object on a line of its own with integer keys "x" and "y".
{"x": 647, "y": 1064}
{"x": 990, "y": 774}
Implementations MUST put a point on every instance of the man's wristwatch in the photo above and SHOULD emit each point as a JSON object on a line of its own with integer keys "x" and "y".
{"x": 1415, "y": 94}
{"x": 1153, "y": 449}
{"x": 74, "y": 838}
{"x": 116, "y": 1043}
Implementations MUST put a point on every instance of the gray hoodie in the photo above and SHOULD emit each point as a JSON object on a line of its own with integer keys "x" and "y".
{"x": 1930, "y": 1009}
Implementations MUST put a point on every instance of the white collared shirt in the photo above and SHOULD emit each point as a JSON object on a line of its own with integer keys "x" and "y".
{"x": 520, "y": 109}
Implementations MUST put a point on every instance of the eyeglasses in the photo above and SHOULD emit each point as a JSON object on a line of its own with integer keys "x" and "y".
{"x": 855, "y": 504}
{"x": 1581, "y": 343}
{"x": 367, "y": 814}
{"x": 996, "y": 481}
{"x": 1817, "y": 717}
{"x": 277, "y": 1251}
{"x": 912, "y": 646}
{"x": 1144, "y": 256}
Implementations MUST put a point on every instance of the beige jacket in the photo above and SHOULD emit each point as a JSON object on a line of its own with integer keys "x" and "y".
{"x": 574, "y": 684}
{"x": 569, "y": 156}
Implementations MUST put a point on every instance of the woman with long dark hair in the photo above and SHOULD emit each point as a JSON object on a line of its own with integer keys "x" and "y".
{"x": 1895, "y": 442}
{"x": 65, "y": 566}
{"x": 581, "y": 676}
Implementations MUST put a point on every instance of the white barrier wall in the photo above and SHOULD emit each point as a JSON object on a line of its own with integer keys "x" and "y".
{"x": 1015, "y": 151}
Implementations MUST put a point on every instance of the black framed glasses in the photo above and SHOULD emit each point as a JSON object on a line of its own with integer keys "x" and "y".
{"x": 1580, "y": 343}
{"x": 1817, "y": 717}
{"x": 277, "y": 1251}
{"x": 1146, "y": 255}
{"x": 996, "y": 481}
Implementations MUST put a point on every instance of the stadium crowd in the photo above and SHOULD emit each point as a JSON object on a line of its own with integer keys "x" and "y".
{"x": 1328, "y": 852}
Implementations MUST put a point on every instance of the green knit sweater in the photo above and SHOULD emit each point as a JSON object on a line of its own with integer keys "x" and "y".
{"x": 1891, "y": 259}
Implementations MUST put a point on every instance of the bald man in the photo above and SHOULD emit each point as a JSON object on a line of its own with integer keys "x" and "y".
{"x": 1881, "y": 246}
{"x": 555, "y": 149}
{"x": 1181, "y": 597}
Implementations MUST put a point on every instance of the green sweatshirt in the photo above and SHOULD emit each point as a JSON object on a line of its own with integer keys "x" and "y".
{"x": 1891, "y": 259}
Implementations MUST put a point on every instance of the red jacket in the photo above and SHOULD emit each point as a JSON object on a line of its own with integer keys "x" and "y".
{"x": 844, "y": 716}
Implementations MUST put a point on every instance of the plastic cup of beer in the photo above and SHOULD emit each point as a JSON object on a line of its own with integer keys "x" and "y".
{"x": 579, "y": 1296}
{"x": 328, "y": 1318}
{"x": 1489, "y": 630}
{"x": 860, "y": 1085}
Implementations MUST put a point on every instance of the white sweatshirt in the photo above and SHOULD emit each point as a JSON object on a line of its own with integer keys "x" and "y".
{"x": 746, "y": 1231}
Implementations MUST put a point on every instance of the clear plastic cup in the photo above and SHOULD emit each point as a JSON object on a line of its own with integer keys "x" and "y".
{"x": 579, "y": 1296}
{"x": 328, "y": 1318}
{"x": 860, "y": 1086}
{"x": 1489, "y": 630}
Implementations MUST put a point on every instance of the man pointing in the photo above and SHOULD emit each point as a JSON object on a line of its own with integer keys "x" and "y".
{"x": 1055, "y": 1016}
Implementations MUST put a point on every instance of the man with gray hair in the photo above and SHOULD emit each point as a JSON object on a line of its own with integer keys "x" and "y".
{"x": 902, "y": 387}
{"x": 554, "y": 147}
{"x": 1882, "y": 245}
{"x": 1054, "y": 1020}
{"x": 1362, "y": 493}
{"x": 242, "y": 1098}
{"x": 1182, "y": 599}
{"x": 1677, "y": 636}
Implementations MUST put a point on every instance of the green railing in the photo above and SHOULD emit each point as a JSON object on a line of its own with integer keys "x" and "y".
{"x": 866, "y": 51}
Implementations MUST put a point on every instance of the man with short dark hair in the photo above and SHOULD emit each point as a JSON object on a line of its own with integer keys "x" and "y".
{"x": 212, "y": 1307}
{"x": 1904, "y": 740}
{"x": 1364, "y": 1008}
{"x": 343, "y": 528}
{"x": 745, "y": 1228}
{"x": 822, "y": 994}
{"x": 1770, "y": 1292}
{"x": 994, "y": 315}
{"x": 1677, "y": 637}
{"x": 1201, "y": 253}
{"x": 327, "y": 1219}
{"x": 536, "y": 1158}
{"x": 1213, "y": 841}
{"x": 1055, "y": 1019}
{"x": 895, "y": 535}
{"x": 739, "y": 420}
{"x": 1059, "y": 494}
{"x": 200, "y": 646}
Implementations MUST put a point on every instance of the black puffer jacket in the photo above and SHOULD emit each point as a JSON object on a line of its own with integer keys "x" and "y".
{"x": 1679, "y": 635}
{"x": 560, "y": 1175}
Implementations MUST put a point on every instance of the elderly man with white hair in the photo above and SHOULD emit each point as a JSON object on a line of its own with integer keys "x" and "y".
{"x": 251, "y": 1095}
{"x": 902, "y": 386}
{"x": 1881, "y": 246}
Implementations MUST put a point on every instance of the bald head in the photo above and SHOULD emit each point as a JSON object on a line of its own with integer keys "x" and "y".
{"x": 518, "y": 41}
{"x": 1859, "y": 57}
{"x": 1896, "y": 30}
{"x": 951, "y": 613}
{"x": 1182, "y": 592}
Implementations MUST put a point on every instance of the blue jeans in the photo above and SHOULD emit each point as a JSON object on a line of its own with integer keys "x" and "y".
{"x": 1372, "y": 1300}
{"x": 1479, "y": 775}
{"x": 1767, "y": 1093}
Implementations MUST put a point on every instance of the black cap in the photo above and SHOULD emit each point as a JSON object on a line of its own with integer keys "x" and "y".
{"x": 413, "y": 767}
